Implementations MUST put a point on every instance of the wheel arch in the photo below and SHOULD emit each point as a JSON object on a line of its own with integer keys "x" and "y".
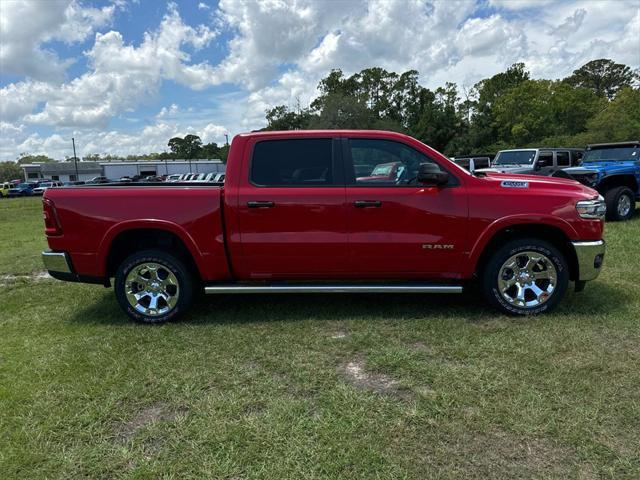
{"x": 553, "y": 234}
{"x": 124, "y": 239}
{"x": 618, "y": 180}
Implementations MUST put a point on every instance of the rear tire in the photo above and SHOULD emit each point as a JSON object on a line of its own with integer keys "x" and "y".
{"x": 153, "y": 286}
{"x": 525, "y": 277}
{"x": 621, "y": 203}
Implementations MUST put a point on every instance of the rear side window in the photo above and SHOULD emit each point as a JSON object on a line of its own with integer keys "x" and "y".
{"x": 562, "y": 159}
{"x": 292, "y": 163}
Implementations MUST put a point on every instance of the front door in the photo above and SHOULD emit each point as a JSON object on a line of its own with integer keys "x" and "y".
{"x": 292, "y": 210}
{"x": 397, "y": 227}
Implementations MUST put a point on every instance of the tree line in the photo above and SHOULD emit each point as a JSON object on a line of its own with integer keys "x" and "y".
{"x": 598, "y": 102}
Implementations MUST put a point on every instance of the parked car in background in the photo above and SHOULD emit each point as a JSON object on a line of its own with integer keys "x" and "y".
{"x": 473, "y": 162}
{"x": 383, "y": 172}
{"x": 24, "y": 189}
{"x": 4, "y": 189}
{"x": 213, "y": 177}
{"x": 174, "y": 177}
{"x": 73, "y": 182}
{"x": 151, "y": 179}
{"x": 42, "y": 186}
{"x": 613, "y": 169}
{"x": 295, "y": 217}
{"x": 537, "y": 161}
{"x": 98, "y": 180}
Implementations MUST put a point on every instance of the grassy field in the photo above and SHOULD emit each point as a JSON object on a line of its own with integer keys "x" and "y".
{"x": 324, "y": 386}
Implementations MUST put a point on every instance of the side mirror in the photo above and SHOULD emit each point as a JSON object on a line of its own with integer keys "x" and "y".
{"x": 430, "y": 175}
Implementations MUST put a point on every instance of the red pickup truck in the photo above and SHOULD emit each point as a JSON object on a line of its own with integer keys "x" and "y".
{"x": 300, "y": 212}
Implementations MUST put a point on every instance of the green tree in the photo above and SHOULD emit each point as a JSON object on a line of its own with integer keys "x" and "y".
{"x": 619, "y": 121}
{"x": 536, "y": 109}
{"x": 603, "y": 76}
{"x": 283, "y": 118}
{"x": 188, "y": 147}
{"x": 10, "y": 171}
{"x": 26, "y": 158}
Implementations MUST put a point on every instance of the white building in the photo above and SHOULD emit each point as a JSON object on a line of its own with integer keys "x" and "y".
{"x": 62, "y": 171}
{"x": 66, "y": 171}
{"x": 117, "y": 169}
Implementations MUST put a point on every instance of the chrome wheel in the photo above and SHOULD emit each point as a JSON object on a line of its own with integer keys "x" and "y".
{"x": 527, "y": 279}
{"x": 624, "y": 205}
{"x": 152, "y": 289}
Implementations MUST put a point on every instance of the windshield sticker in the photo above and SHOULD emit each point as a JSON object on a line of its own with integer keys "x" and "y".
{"x": 514, "y": 184}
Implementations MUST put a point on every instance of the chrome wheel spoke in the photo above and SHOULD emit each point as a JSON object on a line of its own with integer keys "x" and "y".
{"x": 527, "y": 279}
{"x": 152, "y": 289}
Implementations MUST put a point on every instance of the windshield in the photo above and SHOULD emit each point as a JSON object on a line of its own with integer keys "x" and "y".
{"x": 611, "y": 154}
{"x": 515, "y": 157}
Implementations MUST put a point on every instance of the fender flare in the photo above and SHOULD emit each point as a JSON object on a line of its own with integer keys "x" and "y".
{"x": 606, "y": 178}
{"x": 511, "y": 221}
{"x": 127, "y": 225}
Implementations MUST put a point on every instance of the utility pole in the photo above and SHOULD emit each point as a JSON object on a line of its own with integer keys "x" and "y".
{"x": 75, "y": 159}
{"x": 226, "y": 135}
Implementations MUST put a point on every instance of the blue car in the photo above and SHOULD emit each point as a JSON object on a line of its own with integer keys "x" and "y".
{"x": 613, "y": 169}
{"x": 22, "y": 190}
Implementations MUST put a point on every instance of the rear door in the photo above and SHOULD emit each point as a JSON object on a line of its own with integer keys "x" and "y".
{"x": 563, "y": 159}
{"x": 397, "y": 227}
{"x": 291, "y": 209}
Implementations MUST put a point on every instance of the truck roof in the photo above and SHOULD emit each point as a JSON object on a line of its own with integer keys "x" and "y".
{"x": 328, "y": 132}
{"x": 600, "y": 146}
{"x": 541, "y": 148}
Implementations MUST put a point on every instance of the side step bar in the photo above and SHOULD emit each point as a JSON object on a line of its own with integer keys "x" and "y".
{"x": 323, "y": 288}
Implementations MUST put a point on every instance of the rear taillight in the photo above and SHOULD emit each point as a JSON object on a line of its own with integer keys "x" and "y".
{"x": 52, "y": 225}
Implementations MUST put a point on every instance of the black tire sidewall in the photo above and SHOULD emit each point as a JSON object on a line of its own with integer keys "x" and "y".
{"x": 490, "y": 275}
{"x": 185, "y": 279}
{"x": 612, "y": 198}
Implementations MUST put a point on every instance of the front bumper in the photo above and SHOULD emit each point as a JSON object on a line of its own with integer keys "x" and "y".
{"x": 590, "y": 256}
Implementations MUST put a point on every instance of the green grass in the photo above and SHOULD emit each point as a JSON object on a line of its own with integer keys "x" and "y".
{"x": 325, "y": 386}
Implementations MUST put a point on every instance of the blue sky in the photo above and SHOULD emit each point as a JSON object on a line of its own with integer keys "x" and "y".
{"x": 123, "y": 76}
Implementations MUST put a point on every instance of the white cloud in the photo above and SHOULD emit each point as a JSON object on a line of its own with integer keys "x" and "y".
{"x": 121, "y": 76}
{"x": 152, "y": 138}
{"x": 26, "y": 25}
{"x": 276, "y": 52}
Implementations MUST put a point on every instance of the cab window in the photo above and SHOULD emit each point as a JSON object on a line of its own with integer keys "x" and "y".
{"x": 383, "y": 163}
{"x": 293, "y": 163}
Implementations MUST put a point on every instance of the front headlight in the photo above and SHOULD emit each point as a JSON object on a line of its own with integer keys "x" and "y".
{"x": 594, "y": 208}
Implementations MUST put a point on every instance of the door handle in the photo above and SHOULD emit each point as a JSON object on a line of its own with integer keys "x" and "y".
{"x": 261, "y": 204}
{"x": 367, "y": 204}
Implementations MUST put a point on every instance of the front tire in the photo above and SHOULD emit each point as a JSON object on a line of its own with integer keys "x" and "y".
{"x": 621, "y": 203}
{"x": 525, "y": 277}
{"x": 153, "y": 286}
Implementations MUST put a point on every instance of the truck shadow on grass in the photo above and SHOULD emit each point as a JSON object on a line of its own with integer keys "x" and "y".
{"x": 597, "y": 300}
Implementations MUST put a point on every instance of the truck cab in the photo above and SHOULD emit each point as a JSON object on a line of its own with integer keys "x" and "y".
{"x": 613, "y": 169}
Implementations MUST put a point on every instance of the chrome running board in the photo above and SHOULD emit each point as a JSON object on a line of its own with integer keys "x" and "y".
{"x": 339, "y": 288}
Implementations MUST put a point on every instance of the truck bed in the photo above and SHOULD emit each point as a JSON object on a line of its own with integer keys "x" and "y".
{"x": 93, "y": 216}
